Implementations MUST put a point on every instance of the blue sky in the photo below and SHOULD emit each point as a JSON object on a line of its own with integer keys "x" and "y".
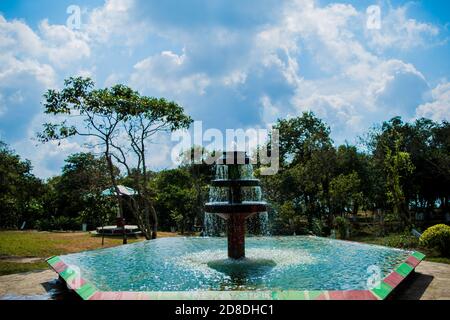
{"x": 231, "y": 64}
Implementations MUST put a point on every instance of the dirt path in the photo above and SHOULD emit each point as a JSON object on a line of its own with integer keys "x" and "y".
{"x": 14, "y": 259}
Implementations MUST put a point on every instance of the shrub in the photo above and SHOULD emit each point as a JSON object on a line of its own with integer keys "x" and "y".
{"x": 342, "y": 227}
{"x": 437, "y": 237}
{"x": 58, "y": 223}
{"x": 317, "y": 227}
{"x": 404, "y": 241}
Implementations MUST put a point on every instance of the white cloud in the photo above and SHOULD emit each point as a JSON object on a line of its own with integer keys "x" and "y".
{"x": 46, "y": 159}
{"x": 16, "y": 36}
{"x": 62, "y": 45}
{"x": 116, "y": 22}
{"x": 400, "y": 32}
{"x": 30, "y": 63}
{"x": 13, "y": 71}
{"x": 2, "y": 105}
{"x": 55, "y": 45}
{"x": 164, "y": 73}
{"x": 305, "y": 56}
{"x": 439, "y": 108}
{"x": 356, "y": 86}
{"x": 270, "y": 112}
{"x": 113, "y": 79}
{"x": 236, "y": 77}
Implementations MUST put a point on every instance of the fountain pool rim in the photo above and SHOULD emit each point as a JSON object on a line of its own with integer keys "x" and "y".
{"x": 87, "y": 290}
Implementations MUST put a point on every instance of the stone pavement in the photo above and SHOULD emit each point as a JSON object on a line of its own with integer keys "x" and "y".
{"x": 38, "y": 285}
{"x": 430, "y": 282}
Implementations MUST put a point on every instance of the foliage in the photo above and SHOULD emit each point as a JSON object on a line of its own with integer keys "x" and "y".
{"x": 20, "y": 191}
{"x": 342, "y": 226}
{"x": 404, "y": 240}
{"x": 60, "y": 223}
{"x": 345, "y": 193}
{"x": 423, "y": 145}
{"x": 176, "y": 197}
{"x": 288, "y": 218}
{"x": 300, "y": 137}
{"x": 306, "y": 168}
{"x": 317, "y": 227}
{"x": 438, "y": 237}
{"x": 398, "y": 166}
{"x": 399, "y": 170}
{"x": 78, "y": 190}
{"x": 121, "y": 123}
{"x": 98, "y": 210}
{"x": 394, "y": 171}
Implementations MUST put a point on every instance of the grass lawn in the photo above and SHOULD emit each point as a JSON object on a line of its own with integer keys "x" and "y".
{"x": 15, "y": 245}
{"x": 407, "y": 242}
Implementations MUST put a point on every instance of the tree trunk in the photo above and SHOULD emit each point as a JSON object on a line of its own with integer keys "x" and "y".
{"x": 141, "y": 218}
{"x": 146, "y": 222}
{"x": 404, "y": 214}
{"x": 155, "y": 222}
{"x": 149, "y": 204}
{"x": 116, "y": 191}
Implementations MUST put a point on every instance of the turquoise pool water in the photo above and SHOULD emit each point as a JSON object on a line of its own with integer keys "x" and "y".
{"x": 272, "y": 263}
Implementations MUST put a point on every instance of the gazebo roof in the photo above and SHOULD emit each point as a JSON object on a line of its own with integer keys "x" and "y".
{"x": 123, "y": 191}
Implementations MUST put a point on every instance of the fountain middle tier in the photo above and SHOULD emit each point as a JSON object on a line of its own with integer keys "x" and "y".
{"x": 225, "y": 209}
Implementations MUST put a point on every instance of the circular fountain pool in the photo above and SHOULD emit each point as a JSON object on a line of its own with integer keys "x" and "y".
{"x": 201, "y": 264}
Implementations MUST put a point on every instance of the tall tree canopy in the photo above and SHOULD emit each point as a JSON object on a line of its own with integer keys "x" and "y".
{"x": 83, "y": 177}
{"x": 121, "y": 123}
{"x": 20, "y": 190}
{"x": 405, "y": 170}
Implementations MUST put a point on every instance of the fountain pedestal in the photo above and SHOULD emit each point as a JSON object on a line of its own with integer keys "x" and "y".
{"x": 236, "y": 209}
{"x": 236, "y": 236}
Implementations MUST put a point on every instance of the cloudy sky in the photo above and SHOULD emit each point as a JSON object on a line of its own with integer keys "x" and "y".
{"x": 231, "y": 64}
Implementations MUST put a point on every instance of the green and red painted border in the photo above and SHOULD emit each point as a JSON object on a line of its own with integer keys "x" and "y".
{"x": 87, "y": 291}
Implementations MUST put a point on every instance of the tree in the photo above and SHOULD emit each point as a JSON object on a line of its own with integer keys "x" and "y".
{"x": 20, "y": 191}
{"x": 428, "y": 147}
{"x": 440, "y": 162}
{"x": 398, "y": 166}
{"x": 201, "y": 173}
{"x": 308, "y": 160}
{"x": 143, "y": 120}
{"x": 345, "y": 193}
{"x": 288, "y": 217}
{"x": 83, "y": 179}
{"x": 89, "y": 113}
{"x": 350, "y": 162}
{"x": 176, "y": 196}
{"x": 120, "y": 121}
{"x": 300, "y": 137}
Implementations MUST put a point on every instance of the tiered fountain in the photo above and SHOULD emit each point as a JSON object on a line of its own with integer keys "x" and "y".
{"x": 197, "y": 268}
{"x": 234, "y": 180}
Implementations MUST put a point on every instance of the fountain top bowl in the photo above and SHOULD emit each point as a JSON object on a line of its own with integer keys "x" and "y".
{"x": 233, "y": 158}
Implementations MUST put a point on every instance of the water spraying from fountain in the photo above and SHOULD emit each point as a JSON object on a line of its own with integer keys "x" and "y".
{"x": 235, "y": 196}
